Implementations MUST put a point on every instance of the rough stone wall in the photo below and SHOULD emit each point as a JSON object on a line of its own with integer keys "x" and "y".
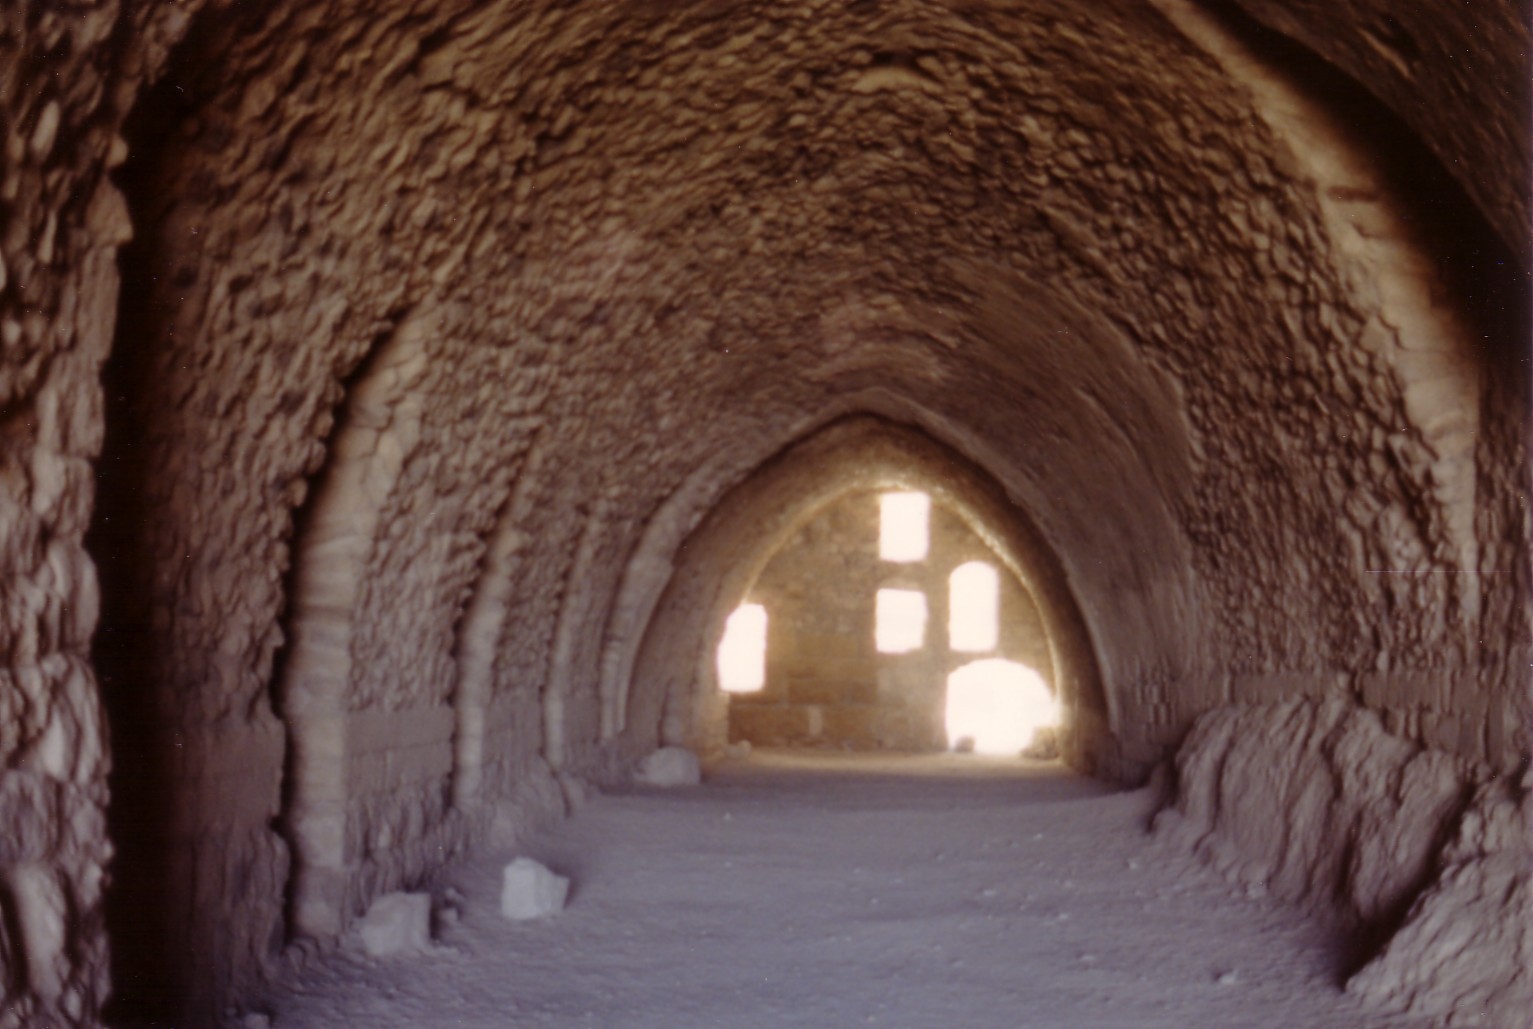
{"x": 822, "y": 667}
{"x": 1428, "y": 277}
{"x": 667, "y": 241}
{"x": 1464, "y": 950}
{"x": 827, "y": 684}
{"x": 1423, "y": 863}
{"x": 64, "y": 86}
{"x": 1462, "y": 85}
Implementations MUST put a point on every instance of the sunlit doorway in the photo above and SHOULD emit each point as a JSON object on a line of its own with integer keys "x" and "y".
{"x": 995, "y": 706}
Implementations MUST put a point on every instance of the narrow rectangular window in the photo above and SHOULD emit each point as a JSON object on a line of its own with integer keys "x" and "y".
{"x": 903, "y": 532}
{"x": 742, "y": 651}
{"x": 974, "y": 608}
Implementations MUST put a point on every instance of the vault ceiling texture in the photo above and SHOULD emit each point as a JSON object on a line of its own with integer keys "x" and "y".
{"x": 427, "y": 298}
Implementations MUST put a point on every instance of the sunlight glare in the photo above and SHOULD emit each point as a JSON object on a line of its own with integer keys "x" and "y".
{"x": 999, "y": 705}
{"x": 742, "y": 651}
{"x": 974, "y": 602}
{"x": 903, "y": 526}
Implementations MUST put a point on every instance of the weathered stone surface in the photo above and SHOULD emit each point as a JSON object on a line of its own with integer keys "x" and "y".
{"x": 64, "y": 89}
{"x": 1465, "y": 950}
{"x": 1461, "y": 84}
{"x": 1315, "y": 802}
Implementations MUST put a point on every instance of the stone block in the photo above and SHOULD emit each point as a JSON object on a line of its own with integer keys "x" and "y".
{"x": 530, "y": 891}
{"x": 397, "y": 923}
{"x": 670, "y": 766}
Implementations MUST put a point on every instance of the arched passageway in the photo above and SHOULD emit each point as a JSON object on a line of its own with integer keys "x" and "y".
{"x": 732, "y": 548}
{"x": 868, "y": 607}
{"x": 395, "y": 404}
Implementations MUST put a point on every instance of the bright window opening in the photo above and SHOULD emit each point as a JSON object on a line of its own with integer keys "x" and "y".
{"x": 974, "y": 608}
{"x": 903, "y": 526}
{"x": 901, "y": 621}
{"x": 997, "y": 706}
{"x": 742, "y": 651}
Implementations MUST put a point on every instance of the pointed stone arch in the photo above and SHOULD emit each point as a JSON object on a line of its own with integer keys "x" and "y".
{"x": 733, "y": 543}
{"x": 378, "y": 424}
{"x": 480, "y": 632}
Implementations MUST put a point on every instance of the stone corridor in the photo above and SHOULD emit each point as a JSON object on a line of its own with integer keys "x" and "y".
{"x": 397, "y": 399}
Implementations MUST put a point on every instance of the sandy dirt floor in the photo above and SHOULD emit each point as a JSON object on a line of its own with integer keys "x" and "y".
{"x": 840, "y": 890}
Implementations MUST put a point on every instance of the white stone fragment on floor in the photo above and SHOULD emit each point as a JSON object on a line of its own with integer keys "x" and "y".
{"x": 670, "y": 766}
{"x": 531, "y": 891}
{"x": 397, "y": 923}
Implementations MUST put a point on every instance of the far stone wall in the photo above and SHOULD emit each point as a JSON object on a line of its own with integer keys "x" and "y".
{"x": 827, "y": 684}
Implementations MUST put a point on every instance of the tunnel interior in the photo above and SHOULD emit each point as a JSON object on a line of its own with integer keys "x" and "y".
{"x": 400, "y": 404}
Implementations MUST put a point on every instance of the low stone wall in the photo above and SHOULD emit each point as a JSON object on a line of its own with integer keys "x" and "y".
{"x": 1421, "y": 859}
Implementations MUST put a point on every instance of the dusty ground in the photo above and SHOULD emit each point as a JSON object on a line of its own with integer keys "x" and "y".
{"x": 797, "y": 890}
